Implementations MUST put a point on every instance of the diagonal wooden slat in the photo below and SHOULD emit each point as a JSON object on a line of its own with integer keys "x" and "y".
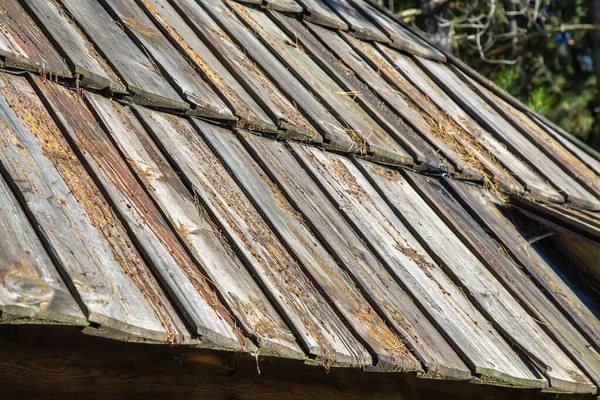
{"x": 318, "y": 12}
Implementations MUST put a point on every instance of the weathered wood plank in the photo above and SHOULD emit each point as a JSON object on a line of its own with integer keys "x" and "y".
{"x": 141, "y": 76}
{"x": 471, "y": 336}
{"x": 368, "y": 136}
{"x": 84, "y": 61}
{"x": 359, "y": 26}
{"x": 213, "y": 71}
{"x": 537, "y": 187}
{"x": 24, "y": 46}
{"x": 350, "y": 83}
{"x": 189, "y": 220}
{"x": 389, "y": 351}
{"x": 505, "y": 132}
{"x": 401, "y": 38}
{"x": 31, "y": 289}
{"x": 83, "y": 235}
{"x": 236, "y": 61}
{"x": 154, "y": 238}
{"x": 325, "y": 338}
{"x": 170, "y": 62}
{"x": 486, "y": 292}
{"x": 542, "y": 140}
{"x": 318, "y": 12}
{"x": 380, "y": 288}
{"x": 486, "y": 210}
{"x": 334, "y": 133}
{"x": 513, "y": 277}
{"x": 289, "y": 6}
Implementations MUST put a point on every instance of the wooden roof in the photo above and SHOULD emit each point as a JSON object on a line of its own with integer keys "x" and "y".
{"x": 302, "y": 179}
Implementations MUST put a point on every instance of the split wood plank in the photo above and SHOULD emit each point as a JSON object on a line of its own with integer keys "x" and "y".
{"x": 505, "y": 132}
{"x": 245, "y": 300}
{"x": 379, "y": 286}
{"x": 487, "y": 293}
{"x": 139, "y": 73}
{"x": 334, "y": 134}
{"x": 213, "y": 71}
{"x": 368, "y": 136}
{"x": 169, "y": 61}
{"x": 24, "y": 46}
{"x": 348, "y": 80}
{"x": 31, "y": 289}
{"x": 325, "y": 337}
{"x": 589, "y": 160}
{"x": 471, "y": 336}
{"x": 401, "y": 38}
{"x": 537, "y": 187}
{"x": 234, "y": 58}
{"x": 318, "y": 12}
{"x": 388, "y": 350}
{"x": 154, "y": 238}
{"x": 84, "y": 236}
{"x": 359, "y": 26}
{"x": 538, "y": 137}
{"x": 85, "y": 63}
{"x": 289, "y": 6}
{"x": 507, "y": 271}
{"x": 486, "y": 210}
{"x": 423, "y": 115}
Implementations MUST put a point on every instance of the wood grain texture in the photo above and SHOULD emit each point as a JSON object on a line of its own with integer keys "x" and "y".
{"x": 31, "y": 289}
{"x": 488, "y": 213}
{"x": 359, "y": 26}
{"x": 170, "y": 62}
{"x": 333, "y": 132}
{"x": 368, "y": 136}
{"x": 153, "y": 237}
{"x": 509, "y": 273}
{"x": 400, "y": 37}
{"x": 487, "y": 293}
{"x": 442, "y": 301}
{"x": 83, "y": 234}
{"x": 290, "y": 6}
{"x": 212, "y": 70}
{"x": 506, "y": 133}
{"x": 85, "y": 63}
{"x": 380, "y": 288}
{"x": 331, "y": 63}
{"x": 275, "y": 269}
{"x": 318, "y": 12}
{"x": 242, "y": 67}
{"x": 191, "y": 222}
{"x": 138, "y": 72}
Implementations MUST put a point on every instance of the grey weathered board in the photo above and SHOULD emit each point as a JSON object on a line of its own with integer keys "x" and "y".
{"x": 290, "y": 6}
{"x": 485, "y": 291}
{"x": 183, "y": 37}
{"x": 86, "y": 239}
{"x": 504, "y": 131}
{"x": 512, "y": 276}
{"x": 170, "y": 62}
{"x": 471, "y": 336}
{"x": 368, "y": 136}
{"x": 538, "y": 188}
{"x": 350, "y": 83}
{"x": 156, "y": 242}
{"x": 85, "y": 63}
{"x": 236, "y": 61}
{"x": 372, "y": 278}
{"x": 245, "y": 300}
{"x": 141, "y": 76}
{"x": 318, "y": 12}
{"x": 325, "y": 338}
{"x": 401, "y": 38}
{"x": 334, "y": 134}
{"x": 359, "y": 25}
{"x": 31, "y": 290}
{"x": 24, "y": 46}
{"x": 388, "y": 350}
{"x": 485, "y": 208}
